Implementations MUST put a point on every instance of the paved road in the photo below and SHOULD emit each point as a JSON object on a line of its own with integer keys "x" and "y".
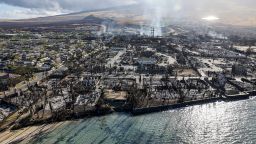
{"x": 116, "y": 59}
{"x": 36, "y": 78}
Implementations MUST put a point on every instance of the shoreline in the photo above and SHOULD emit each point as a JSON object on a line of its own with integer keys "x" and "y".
{"x": 30, "y": 133}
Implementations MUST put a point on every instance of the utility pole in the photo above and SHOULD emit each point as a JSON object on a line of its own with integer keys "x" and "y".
{"x": 153, "y": 32}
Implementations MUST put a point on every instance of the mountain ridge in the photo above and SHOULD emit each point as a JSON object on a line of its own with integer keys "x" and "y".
{"x": 131, "y": 14}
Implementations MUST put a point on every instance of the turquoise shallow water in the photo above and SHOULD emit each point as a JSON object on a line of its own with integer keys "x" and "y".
{"x": 220, "y": 122}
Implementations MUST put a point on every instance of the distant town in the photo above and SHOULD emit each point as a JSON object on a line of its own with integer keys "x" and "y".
{"x": 71, "y": 71}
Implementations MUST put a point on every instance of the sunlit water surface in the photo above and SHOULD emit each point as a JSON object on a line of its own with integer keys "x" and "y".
{"x": 220, "y": 122}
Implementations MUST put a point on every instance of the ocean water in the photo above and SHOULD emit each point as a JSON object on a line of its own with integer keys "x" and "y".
{"x": 220, "y": 122}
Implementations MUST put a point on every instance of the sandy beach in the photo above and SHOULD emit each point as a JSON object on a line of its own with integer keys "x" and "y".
{"x": 26, "y": 135}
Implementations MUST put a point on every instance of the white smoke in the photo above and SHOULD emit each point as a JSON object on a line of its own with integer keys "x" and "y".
{"x": 155, "y": 12}
{"x": 216, "y": 35}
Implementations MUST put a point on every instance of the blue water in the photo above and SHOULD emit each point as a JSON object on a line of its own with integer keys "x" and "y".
{"x": 220, "y": 122}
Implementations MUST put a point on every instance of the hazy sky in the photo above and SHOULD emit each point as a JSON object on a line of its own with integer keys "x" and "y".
{"x": 230, "y": 10}
{"x": 17, "y": 9}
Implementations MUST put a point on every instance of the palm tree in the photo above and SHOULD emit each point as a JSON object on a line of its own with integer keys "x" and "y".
{"x": 248, "y": 51}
